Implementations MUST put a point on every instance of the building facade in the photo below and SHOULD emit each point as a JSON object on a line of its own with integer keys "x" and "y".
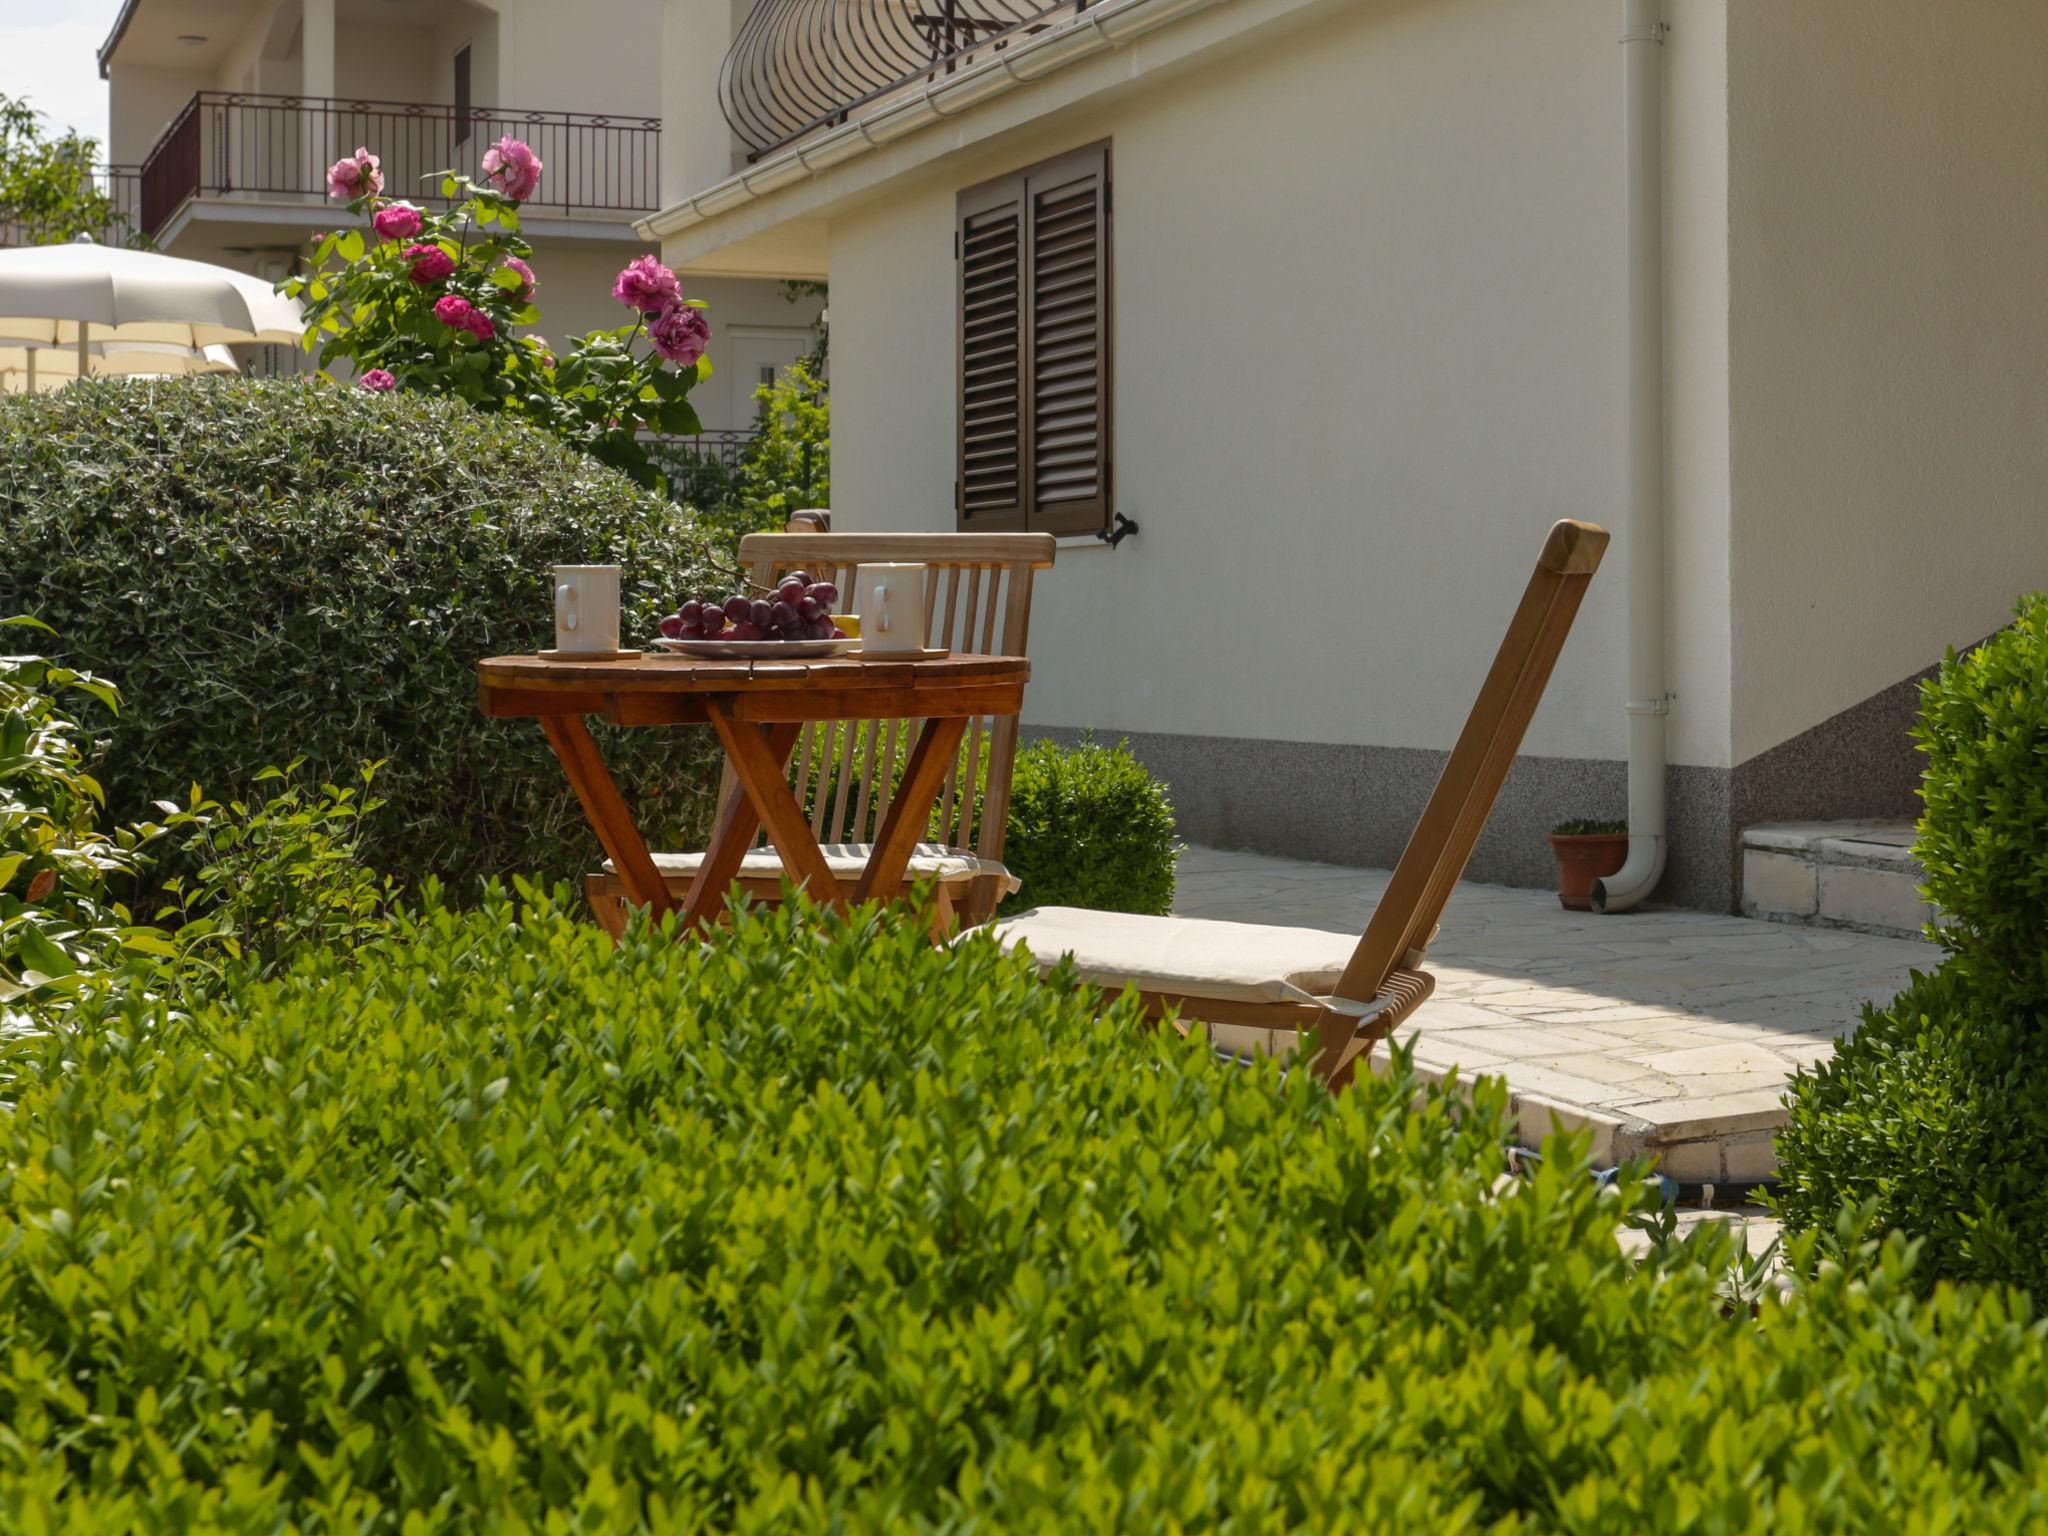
{"x": 232, "y": 110}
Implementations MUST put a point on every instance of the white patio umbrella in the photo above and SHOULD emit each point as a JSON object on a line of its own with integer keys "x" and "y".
{"x": 71, "y": 295}
{"x": 28, "y": 368}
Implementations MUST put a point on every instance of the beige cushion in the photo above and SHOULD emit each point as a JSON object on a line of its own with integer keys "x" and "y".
{"x": 1189, "y": 956}
{"x": 929, "y": 861}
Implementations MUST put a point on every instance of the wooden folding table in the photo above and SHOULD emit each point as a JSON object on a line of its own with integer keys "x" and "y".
{"x": 758, "y": 709}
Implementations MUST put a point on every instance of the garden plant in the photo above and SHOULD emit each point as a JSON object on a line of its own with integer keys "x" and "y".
{"x": 490, "y": 1225}
{"x": 425, "y": 300}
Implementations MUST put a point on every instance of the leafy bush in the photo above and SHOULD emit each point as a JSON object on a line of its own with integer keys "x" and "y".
{"x": 1587, "y": 827}
{"x": 282, "y": 570}
{"x": 821, "y": 1228}
{"x": 61, "y": 931}
{"x": 787, "y": 467}
{"x": 1984, "y": 834}
{"x": 1089, "y": 827}
{"x": 1935, "y": 1115}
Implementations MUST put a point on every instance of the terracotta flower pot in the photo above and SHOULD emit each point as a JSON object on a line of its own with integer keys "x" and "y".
{"x": 1581, "y": 861}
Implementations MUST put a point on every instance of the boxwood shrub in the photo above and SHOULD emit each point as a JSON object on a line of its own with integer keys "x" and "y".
{"x": 819, "y": 1228}
{"x": 283, "y": 570}
{"x": 1089, "y": 827}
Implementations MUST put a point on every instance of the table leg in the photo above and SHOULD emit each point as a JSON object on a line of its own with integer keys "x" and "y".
{"x": 738, "y": 821}
{"x": 931, "y": 760}
{"x": 760, "y": 774}
{"x": 607, "y": 812}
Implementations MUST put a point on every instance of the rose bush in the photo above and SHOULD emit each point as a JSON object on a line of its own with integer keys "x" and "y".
{"x": 434, "y": 302}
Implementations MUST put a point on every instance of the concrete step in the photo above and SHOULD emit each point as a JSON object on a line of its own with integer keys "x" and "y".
{"x": 1834, "y": 874}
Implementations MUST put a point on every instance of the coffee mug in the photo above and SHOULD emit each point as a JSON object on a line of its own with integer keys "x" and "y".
{"x": 890, "y": 601}
{"x": 586, "y": 608}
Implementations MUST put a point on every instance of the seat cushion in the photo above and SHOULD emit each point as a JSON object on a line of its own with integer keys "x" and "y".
{"x": 929, "y": 861}
{"x": 1187, "y": 956}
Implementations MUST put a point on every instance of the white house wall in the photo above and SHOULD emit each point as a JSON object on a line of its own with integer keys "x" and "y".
{"x": 1368, "y": 345}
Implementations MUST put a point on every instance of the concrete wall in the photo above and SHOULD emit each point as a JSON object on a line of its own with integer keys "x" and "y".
{"x": 142, "y": 102}
{"x": 1888, "y": 239}
{"x": 592, "y": 56}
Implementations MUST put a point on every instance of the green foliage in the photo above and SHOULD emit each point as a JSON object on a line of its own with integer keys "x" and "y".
{"x": 47, "y": 192}
{"x": 787, "y": 467}
{"x": 1935, "y": 1116}
{"x": 1089, "y": 827}
{"x": 1585, "y": 827}
{"x": 285, "y": 570}
{"x": 1984, "y": 834}
{"x": 819, "y": 1228}
{"x": 274, "y": 879}
{"x": 364, "y": 306}
{"x": 62, "y": 935}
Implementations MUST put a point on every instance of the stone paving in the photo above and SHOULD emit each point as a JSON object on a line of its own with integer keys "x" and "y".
{"x": 1663, "y": 1032}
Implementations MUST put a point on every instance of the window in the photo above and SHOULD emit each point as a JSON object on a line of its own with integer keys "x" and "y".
{"x": 462, "y": 102}
{"x": 1034, "y": 425}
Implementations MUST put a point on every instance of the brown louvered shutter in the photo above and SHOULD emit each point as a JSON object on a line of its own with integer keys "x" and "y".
{"x": 991, "y": 233}
{"x": 1067, "y": 417}
{"x": 1034, "y": 348}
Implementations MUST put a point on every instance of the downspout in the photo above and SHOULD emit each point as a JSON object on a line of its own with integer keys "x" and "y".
{"x": 1642, "y": 96}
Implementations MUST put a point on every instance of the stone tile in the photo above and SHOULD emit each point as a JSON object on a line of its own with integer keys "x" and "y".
{"x": 1691, "y": 1162}
{"x": 1750, "y": 1155}
{"x": 1872, "y": 898}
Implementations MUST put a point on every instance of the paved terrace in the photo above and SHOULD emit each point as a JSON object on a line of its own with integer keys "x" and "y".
{"x": 1669, "y": 1033}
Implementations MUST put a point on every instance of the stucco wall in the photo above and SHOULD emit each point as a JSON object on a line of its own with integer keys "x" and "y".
{"x": 1368, "y": 345}
{"x": 142, "y": 102}
{"x": 1888, "y": 216}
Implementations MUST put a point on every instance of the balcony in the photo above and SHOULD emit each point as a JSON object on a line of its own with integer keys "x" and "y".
{"x": 800, "y": 65}
{"x": 250, "y": 148}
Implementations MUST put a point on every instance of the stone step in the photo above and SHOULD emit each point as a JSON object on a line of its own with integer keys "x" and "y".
{"x": 1834, "y": 874}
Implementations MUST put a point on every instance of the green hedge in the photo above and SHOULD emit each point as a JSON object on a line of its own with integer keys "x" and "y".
{"x": 1090, "y": 827}
{"x": 281, "y": 570}
{"x": 820, "y": 1228}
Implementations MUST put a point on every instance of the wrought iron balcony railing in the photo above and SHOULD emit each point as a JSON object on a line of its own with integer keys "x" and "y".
{"x": 228, "y": 145}
{"x": 800, "y": 65}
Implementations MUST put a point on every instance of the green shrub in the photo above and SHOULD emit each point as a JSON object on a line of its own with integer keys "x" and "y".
{"x": 1589, "y": 827}
{"x": 284, "y": 570}
{"x": 1935, "y": 1114}
{"x": 821, "y": 1228}
{"x": 1984, "y": 834}
{"x": 786, "y": 468}
{"x": 1089, "y": 827}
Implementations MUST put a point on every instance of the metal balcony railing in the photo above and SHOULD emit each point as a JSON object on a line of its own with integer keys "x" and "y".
{"x": 800, "y": 65}
{"x": 228, "y": 145}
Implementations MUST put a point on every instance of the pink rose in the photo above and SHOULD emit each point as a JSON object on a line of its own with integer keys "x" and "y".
{"x": 514, "y": 167}
{"x": 378, "y": 379}
{"x": 646, "y": 285}
{"x": 680, "y": 333}
{"x": 396, "y": 221}
{"x": 429, "y": 263}
{"x": 359, "y": 175}
{"x": 525, "y": 290}
{"x": 457, "y": 313}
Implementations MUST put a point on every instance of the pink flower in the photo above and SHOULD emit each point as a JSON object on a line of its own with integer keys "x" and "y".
{"x": 680, "y": 333}
{"x": 457, "y": 313}
{"x": 429, "y": 263}
{"x": 514, "y": 167}
{"x": 396, "y": 221}
{"x": 646, "y": 285}
{"x": 525, "y": 291}
{"x": 359, "y": 175}
{"x": 378, "y": 379}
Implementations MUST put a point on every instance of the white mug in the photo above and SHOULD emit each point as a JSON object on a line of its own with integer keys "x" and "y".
{"x": 890, "y": 601}
{"x": 586, "y": 608}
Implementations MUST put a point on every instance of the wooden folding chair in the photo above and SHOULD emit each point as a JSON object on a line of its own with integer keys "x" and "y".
{"x": 1343, "y": 995}
{"x": 977, "y": 603}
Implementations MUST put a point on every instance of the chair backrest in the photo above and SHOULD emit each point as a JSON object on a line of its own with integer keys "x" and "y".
{"x": 1407, "y": 915}
{"x": 977, "y": 603}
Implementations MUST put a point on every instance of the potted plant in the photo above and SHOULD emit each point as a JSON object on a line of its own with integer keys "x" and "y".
{"x": 1586, "y": 850}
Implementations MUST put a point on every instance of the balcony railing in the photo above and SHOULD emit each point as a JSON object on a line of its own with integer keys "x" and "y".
{"x": 228, "y": 145}
{"x": 122, "y": 185}
{"x": 800, "y": 65}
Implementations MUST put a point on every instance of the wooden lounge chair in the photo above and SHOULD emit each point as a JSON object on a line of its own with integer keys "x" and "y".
{"x": 1342, "y": 994}
{"x": 977, "y": 603}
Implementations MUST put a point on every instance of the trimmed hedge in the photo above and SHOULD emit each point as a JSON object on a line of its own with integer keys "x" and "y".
{"x": 288, "y": 569}
{"x": 820, "y": 1228}
{"x": 1089, "y": 827}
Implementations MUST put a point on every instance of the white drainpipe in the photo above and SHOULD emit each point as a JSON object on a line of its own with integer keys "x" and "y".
{"x": 1642, "y": 532}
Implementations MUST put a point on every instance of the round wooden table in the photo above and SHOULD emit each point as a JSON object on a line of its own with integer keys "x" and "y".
{"x": 757, "y": 708}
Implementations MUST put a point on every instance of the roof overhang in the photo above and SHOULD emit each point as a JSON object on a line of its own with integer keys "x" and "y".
{"x": 759, "y": 220}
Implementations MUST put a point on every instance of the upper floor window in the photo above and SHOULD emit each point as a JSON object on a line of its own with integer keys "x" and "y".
{"x": 1034, "y": 302}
